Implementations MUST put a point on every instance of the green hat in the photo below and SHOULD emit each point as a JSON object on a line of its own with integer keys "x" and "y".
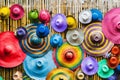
{"x": 1, "y": 78}
{"x": 104, "y": 71}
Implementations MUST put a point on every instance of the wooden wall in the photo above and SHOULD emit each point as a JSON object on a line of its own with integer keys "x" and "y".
{"x": 73, "y": 7}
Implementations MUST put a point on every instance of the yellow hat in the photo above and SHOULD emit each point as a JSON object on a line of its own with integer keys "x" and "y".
{"x": 71, "y": 21}
{"x": 4, "y": 12}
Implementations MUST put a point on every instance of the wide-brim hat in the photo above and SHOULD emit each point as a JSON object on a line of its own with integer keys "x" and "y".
{"x": 111, "y": 25}
{"x": 75, "y": 37}
{"x": 104, "y": 71}
{"x": 68, "y": 56}
{"x": 32, "y": 45}
{"x": 89, "y": 66}
{"x": 60, "y": 74}
{"x": 4, "y": 12}
{"x": 38, "y": 68}
{"x": 71, "y": 22}
{"x": 16, "y": 12}
{"x": 59, "y": 23}
{"x": 11, "y": 54}
{"x": 85, "y": 16}
{"x": 95, "y": 43}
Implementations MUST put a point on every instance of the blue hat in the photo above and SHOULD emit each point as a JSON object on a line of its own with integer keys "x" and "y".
{"x": 96, "y": 15}
{"x": 56, "y": 40}
{"x": 38, "y": 68}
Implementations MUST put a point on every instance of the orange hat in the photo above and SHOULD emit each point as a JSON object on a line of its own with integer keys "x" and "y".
{"x": 115, "y": 50}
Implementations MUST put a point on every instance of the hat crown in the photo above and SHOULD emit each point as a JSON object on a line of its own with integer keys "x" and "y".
{"x": 16, "y": 11}
{"x": 21, "y": 32}
{"x": 8, "y": 49}
{"x": 96, "y": 37}
{"x": 80, "y": 75}
{"x": 35, "y": 40}
{"x": 44, "y": 15}
{"x": 89, "y": 66}
{"x": 34, "y": 14}
{"x": 75, "y": 35}
{"x": 85, "y": 16}
{"x": 69, "y": 55}
{"x": 55, "y": 40}
{"x": 39, "y": 63}
{"x": 105, "y": 68}
{"x": 58, "y": 22}
{"x": 42, "y": 29}
{"x": 113, "y": 60}
{"x": 3, "y": 12}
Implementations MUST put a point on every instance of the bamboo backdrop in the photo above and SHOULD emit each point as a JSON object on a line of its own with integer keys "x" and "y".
{"x": 67, "y": 7}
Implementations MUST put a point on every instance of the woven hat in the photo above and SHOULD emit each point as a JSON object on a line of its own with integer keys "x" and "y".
{"x": 11, "y": 54}
{"x": 38, "y": 68}
{"x": 85, "y": 17}
{"x": 16, "y": 12}
{"x": 79, "y": 75}
{"x": 4, "y": 12}
{"x": 104, "y": 71}
{"x": 111, "y": 25}
{"x": 59, "y": 23}
{"x": 75, "y": 37}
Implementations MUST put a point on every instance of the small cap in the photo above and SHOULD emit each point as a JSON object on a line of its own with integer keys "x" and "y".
{"x": 33, "y": 14}
{"x": 5, "y": 12}
{"x": 80, "y": 75}
{"x": 115, "y": 50}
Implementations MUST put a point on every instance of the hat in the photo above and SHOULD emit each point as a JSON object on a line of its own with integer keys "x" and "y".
{"x": 95, "y": 43}
{"x": 18, "y": 75}
{"x": 1, "y": 78}
{"x": 4, "y": 12}
{"x": 44, "y": 16}
{"x": 75, "y": 37}
{"x": 60, "y": 74}
{"x": 104, "y": 71}
{"x": 117, "y": 69}
{"x": 21, "y": 32}
{"x": 111, "y": 25}
{"x": 79, "y": 75}
{"x": 16, "y": 12}
{"x": 56, "y": 40}
{"x": 42, "y": 31}
{"x": 59, "y": 23}
{"x": 38, "y": 68}
{"x": 68, "y": 56}
{"x": 71, "y": 22}
{"x": 113, "y": 62}
{"x": 89, "y": 66}
{"x": 32, "y": 45}
{"x": 115, "y": 50}
{"x": 11, "y": 54}
{"x": 96, "y": 15}
{"x": 113, "y": 77}
{"x": 85, "y": 17}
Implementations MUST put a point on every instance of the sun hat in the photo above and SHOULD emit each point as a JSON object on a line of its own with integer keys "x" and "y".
{"x": 59, "y": 23}
{"x": 75, "y": 37}
{"x": 4, "y": 12}
{"x": 11, "y": 54}
{"x": 16, "y": 12}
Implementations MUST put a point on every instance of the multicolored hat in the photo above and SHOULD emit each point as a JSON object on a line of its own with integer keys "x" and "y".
{"x": 38, "y": 68}
{"x": 85, "y": 17}
{"x": 71, "y": 22}
{"x": 32, "y": 44}
{"x": 60, "y": 74}
{"x": 104, "y": 71}
{"x": 111, "y": 25}
{"x": 96, "y": 15}
{"x": 56, "y": 40}
{"x": 59, "y": 23}
{"x": 68, "y": 56}
{"x": 79, "y": 75}
{"x": 89, "y": 66}
{"x": 42, "y": 31}
{"x": 11, "y": 54}
{"x": 44, "y": 16}
{"x": 75, "y": 37}
{"x": 16, "y": 12}
{"x": 4, "y": 12}
{"x": 95, "y": 43}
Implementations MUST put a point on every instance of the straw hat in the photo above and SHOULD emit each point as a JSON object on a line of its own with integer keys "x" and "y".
{"x": 5, "y": 12}
{"x": 79, "y": 75}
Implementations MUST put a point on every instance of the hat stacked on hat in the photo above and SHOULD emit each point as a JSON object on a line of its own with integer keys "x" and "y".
{"x": 4, "y": 12}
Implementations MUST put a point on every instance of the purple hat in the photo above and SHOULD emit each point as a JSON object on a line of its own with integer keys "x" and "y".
{"x": 89, "y": 66}
{"x": 16, "y": 12}
{"x": 59, "y": 23}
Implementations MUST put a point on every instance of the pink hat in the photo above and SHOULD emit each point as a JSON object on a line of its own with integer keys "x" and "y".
{"x": 17, "y": 12}
{"x": 111, "y": 25}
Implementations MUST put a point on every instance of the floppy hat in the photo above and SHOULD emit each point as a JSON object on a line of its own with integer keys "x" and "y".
{"x": 96, "y": 15}
{"x": 32, "y": 45}
{"x": 38, "y": 68}
{"x": 75, "y": 36}
{"x": 59, "y": 23}
{"x": 89, "y": 66}
{"x": 4, "y": 12}
{"x": 56, "y": 40}
{"x": 95, "y": 43}
{"x": 111, "y": 25}
{"x": 60, "y": 74}
{"x": 71, "y": 22}
{"x": 68, "y": 56}
{"x": 16, "y": 12}
{"x": 85, "y": 17}
{"x": 11, "y": 54}
{"x": 44, "y": 16}
{"x": 104, "y": 71}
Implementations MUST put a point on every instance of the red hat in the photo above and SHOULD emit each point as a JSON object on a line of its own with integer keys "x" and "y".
{"x": 11, "y": 54}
